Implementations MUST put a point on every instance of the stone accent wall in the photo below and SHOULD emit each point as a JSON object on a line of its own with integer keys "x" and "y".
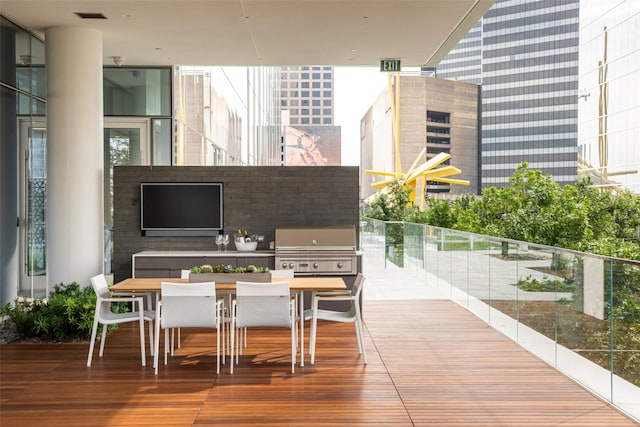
{"x": 256, "y": 198}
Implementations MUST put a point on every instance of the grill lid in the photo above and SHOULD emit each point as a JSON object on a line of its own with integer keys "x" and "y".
{"x": 329, "y": 238}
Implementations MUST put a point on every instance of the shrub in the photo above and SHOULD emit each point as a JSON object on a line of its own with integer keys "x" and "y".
{"x": 545, "y": 285}
{"x": 66, "y": 316}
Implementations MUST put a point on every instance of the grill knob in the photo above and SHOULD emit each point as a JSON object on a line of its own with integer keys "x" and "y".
{"x": 315, "y": 265}
{"x": 340, "y": 265}
{"x": 284, "y": 265}
{"x": 290, "y": 265}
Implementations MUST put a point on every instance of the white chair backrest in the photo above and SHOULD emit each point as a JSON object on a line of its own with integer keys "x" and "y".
{"x": 184, "y": 274}
{"x": 100, "y": 286}
{"x": 263, "y": 304}
{"x": 282, "y": 274}
{"x": 188, "y": 305}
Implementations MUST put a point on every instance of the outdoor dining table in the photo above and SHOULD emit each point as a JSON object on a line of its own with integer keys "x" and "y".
{"x": 298, "y": 286}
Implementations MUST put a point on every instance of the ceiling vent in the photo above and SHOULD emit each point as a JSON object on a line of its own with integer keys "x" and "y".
{"x": 90, "y": 15}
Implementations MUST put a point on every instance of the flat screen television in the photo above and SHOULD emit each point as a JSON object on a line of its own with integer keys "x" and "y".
{"x": 181, "y": 208}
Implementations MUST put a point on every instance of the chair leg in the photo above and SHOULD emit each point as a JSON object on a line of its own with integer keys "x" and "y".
{"x": 157, "y": 345}
{"x": 166, "y": 345}
{"x": 173, "y": 330}
{"x": 218, "y": 348}
{"x": 294, "y": 346}
{"x": 151, "y": 341}
{"x": 220, "y": 332}
{"x": 232, "y": 347}
{"x": 360, "y": 335}
{"x": 103, "y": 340}
{"x": 238, "y": 333}
{"x": 179, "y": 340}
{"x": 312, "y": 335}
{"x": 93, "y": 339}
{"x": 143, "y": 355}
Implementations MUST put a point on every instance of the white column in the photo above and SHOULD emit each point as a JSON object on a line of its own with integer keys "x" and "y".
{"x": 74, "y": 155}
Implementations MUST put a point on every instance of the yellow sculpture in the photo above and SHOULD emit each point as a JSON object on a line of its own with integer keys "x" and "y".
{"x": 415, "y": 175}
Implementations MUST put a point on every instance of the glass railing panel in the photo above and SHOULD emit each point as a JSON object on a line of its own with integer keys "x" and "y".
{"x": 394, "y": 242}
{"x": 537, "y": 283}
{"x": 413, "y": 248}
{"x": 372, "y": 239}
{"x": 504, "y": 260}
{"x": 430, "y": 243}
{"x": 479, "y": 275}
{"x": 622, "y": 294}
{"x": 582, "y": 329}
{"x": 445, "y": 261}
{"x": 459, "y": 246}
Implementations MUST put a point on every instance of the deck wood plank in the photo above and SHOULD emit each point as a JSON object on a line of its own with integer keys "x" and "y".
{"x": 430, "y": 363}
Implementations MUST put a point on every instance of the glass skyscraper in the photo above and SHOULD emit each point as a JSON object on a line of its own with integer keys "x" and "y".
{"x": 524, "y": 53}
{"x": 609, "y": 93}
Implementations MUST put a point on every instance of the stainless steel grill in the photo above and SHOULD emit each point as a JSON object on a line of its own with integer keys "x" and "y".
{"x": 317, "y": 250}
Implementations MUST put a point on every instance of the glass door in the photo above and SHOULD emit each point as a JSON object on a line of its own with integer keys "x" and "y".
{"x": 32, "y": 204}
{"x": 126, "y": 143}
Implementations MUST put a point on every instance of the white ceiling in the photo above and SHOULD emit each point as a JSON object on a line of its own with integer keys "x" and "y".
{"x": 262, "y": 32}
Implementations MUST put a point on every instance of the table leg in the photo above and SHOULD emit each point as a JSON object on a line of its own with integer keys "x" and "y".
{"x": 301, "y": 317}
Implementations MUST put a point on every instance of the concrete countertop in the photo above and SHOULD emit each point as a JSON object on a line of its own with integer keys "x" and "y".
{"x": 212, "y": 253}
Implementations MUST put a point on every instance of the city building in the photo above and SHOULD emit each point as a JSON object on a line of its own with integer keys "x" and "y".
{"x": 307, "y": 100}
{"x": 438, "y": 115}
{"x": 307, "y": 93}
{"x": 524, "y": 54}
{"x": 609, "y": 94}
{"x": 227, "y": 116}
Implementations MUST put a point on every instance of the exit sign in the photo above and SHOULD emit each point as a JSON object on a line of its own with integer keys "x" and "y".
{"x": 389, "y": 65}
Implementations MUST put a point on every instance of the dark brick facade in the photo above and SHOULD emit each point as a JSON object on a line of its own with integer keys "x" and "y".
{"x": 256, "y": 198}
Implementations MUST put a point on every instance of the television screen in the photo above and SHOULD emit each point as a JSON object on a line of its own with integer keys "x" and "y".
{"x": 181, "y": 209}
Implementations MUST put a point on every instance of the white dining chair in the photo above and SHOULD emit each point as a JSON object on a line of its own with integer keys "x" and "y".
{"x": 275, "y": 274}
{"x": 105, "y": 316}
{"x": 353, "y": 314}
{"x": 184, "y": 305}
{"x": 265, "y": 305}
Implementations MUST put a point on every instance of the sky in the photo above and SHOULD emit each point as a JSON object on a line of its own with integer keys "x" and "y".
{"x": 355, "y": 90}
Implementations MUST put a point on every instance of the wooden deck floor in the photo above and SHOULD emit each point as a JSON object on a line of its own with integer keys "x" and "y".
{"x": 430, "y": 363}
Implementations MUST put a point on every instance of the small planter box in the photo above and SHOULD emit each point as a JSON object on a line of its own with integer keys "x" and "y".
{"x": 229, "y": 277}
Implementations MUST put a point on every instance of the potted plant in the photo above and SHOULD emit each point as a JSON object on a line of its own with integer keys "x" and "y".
{"x": 228, "y": 274}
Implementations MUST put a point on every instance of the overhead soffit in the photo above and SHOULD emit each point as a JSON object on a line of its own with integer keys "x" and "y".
{"x": 262, "y": 32}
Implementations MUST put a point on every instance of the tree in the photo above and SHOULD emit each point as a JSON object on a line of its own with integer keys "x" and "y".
{"x": 393, "y": 204}
{"x": 534, "y": 208}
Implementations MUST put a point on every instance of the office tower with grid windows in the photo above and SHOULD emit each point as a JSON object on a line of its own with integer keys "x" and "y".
{"x": 306, "y": 100}
{"x": 307, "y": 94}
{"x": 524, "y": 53}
